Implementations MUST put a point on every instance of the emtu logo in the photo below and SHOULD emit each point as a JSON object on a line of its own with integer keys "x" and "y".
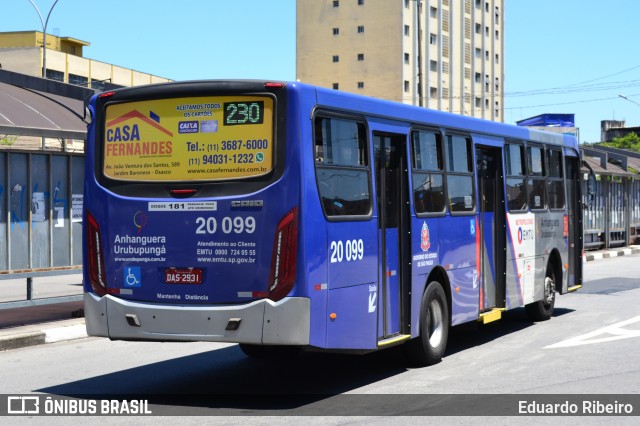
{"x": 524, "y": 235}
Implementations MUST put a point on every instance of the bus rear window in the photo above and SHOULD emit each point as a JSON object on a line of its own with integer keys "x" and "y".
{"x": 189, "y": 139}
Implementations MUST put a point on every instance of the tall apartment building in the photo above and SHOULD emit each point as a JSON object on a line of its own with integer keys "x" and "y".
{"x": 440, "y": 54}
{"x": 21, "y": 51}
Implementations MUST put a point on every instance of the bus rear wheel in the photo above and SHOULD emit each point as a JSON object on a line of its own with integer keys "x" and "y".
{"x": 428, "y": 348}
{"x": 543, "y": 309}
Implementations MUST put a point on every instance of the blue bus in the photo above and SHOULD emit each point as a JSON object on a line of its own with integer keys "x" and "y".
{"x": 283, "y": 216}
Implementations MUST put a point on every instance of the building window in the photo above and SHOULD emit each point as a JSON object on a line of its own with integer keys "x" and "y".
{"x": 497, "y": 58}
{"x": 406, "y": 4}
{"x": 433, "y": 39}
{"x": 361, "y": 56}
{"x": 360, "y": 28}
{"x": 433, "y": 65}
{"x": 361, "y": 85}
{"x": 406, "y": 30}
{"x": 433, "y": 12}
{"x": 55, "y": 75}
{"x": 497, "y": 84}
{"x": 336, "y": 3}
{"x": 336, "y": 31}
{"x": 478, "y": 78}
{"x": 478, "y": 102}
{"x": 406, "y": 58}
{"x": 360, "y": 2}
{"x": 478, "y": 53}
{"x": 78, "y": 80}
{"x": 336, "y": 58}
{"x": 486, "y": 55}
{"x": 336, "y": 86}
{"x": 433, "y": 92}
{"x": 497, "y": 35}
{"x": 99, "y": 85}
{"x": 406, "y": 86}
{"x": 478, "y": 4}
{"x": 478, "y": 26}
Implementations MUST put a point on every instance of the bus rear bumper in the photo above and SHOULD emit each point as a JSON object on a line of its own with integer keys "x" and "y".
{"x": 286, "y": 322}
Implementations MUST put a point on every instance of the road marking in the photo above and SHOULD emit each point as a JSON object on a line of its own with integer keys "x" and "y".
{"x": 606, "y": 334}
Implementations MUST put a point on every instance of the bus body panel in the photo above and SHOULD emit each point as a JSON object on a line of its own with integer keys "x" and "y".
{"x": 337, "y": 299}
{"x": 458, "y": 254}
{"x": 285, "y": 322}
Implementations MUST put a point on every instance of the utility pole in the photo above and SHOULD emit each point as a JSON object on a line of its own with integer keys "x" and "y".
{"x": 419, "y": 29}
{"x": 44, "y": 35}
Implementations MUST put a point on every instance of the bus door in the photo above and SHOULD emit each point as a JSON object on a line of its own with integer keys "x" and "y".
{"x": 491, "y": 224}
{"x": 392, "y": 191}
{"x": 573, "y": 225}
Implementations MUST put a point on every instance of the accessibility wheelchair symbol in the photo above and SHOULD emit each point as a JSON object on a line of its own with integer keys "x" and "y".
{"x": 132, "y": 276}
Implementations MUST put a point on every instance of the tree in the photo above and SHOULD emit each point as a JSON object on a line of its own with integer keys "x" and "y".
{"x": 630, "y": 141}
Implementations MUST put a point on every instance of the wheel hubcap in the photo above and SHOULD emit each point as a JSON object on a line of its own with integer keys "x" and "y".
{"x": 436, "y": 324}
{"x": 549, "y": 290}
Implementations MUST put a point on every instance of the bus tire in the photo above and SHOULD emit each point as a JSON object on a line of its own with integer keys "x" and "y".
{"x": 269, "y": 351}
{"x": 428, "y": 348}
{"x": 543, "y": 309}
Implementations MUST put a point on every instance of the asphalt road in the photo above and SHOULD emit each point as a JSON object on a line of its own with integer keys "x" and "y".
{"x": 590, "y": 346}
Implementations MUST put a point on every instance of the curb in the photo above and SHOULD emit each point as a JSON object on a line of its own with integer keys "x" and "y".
{"x": 611, "y": 253}
{"x": 38, "y": 337}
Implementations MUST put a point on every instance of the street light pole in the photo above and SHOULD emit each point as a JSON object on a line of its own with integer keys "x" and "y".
{"x": 44, "y": 35}
{"x": 627, "y": 99}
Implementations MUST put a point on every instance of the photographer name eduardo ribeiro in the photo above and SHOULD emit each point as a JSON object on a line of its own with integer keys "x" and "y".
{"x": 585, "y": 407}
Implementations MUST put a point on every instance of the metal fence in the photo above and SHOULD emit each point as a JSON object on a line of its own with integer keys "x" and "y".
{"x": 612, "y": 218}
{"x": 40, "y": 214}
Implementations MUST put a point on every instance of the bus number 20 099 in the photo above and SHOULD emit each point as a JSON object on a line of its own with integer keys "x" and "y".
{"x": 237, "y": 225}
{"x": 350, "y": 250}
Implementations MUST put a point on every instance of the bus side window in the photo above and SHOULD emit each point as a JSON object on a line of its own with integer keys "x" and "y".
{"x": 536, "y": 183}
{"x": 341, "y": 165}
{"x": 428, "y": 181}
{"x": 555, "y": 179}
{"x": 459, "y": 174}
{"x": 516, "y": 190}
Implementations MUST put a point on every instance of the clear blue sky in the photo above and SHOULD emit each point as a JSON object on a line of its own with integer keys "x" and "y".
{"x": 562, "y": 56}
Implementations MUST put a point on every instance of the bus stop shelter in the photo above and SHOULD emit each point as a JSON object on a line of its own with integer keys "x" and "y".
{"x": 42, "y": 135}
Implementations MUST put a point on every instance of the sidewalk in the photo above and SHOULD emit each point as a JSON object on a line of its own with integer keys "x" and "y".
{"x": 36, "y": 325}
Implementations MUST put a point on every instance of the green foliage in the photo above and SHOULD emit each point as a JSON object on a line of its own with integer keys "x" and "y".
{"x": 7, "y": 140}
{"x": 630, "y": 141}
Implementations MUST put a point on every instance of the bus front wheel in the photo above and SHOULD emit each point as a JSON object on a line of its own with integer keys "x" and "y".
{"x": 543, "y": 309}
{"x": 428, "y": 348}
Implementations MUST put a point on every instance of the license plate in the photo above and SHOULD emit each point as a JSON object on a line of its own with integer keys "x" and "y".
{"x": 183, "y": 276}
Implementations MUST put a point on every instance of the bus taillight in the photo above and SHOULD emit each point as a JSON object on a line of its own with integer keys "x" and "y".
{"x": 96, "y": 259}
{"x": 283, "y": 259}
